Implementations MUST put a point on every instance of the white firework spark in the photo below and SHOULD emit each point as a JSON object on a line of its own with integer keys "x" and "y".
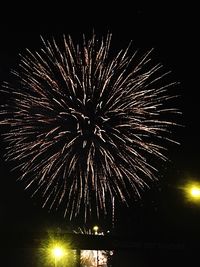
{"x": 82, "y": 124}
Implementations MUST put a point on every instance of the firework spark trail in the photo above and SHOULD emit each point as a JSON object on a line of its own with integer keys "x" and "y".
{"x": 82, "y": 124}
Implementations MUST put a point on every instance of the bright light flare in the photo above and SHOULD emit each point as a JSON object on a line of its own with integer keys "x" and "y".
{"x": 195, "y": 192}
{"x": 58, "y": 252}
{"x": 192, "y": 191}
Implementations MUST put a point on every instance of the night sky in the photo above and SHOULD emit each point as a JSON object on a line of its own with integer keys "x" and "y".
{"x": 162, "y": 213}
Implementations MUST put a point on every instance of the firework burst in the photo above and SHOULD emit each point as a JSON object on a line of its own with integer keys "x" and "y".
{"x": 83, "y": 124}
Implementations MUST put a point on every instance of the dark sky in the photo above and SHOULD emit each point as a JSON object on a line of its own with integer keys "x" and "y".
{"x": 173, "y": 32}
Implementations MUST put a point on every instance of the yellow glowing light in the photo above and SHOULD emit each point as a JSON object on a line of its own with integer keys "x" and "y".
{"x": 195, "y": 192}
{"x": 95, "y": 228}
{"x": 58, "y": 252}
{"x": 192, "y": 191}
